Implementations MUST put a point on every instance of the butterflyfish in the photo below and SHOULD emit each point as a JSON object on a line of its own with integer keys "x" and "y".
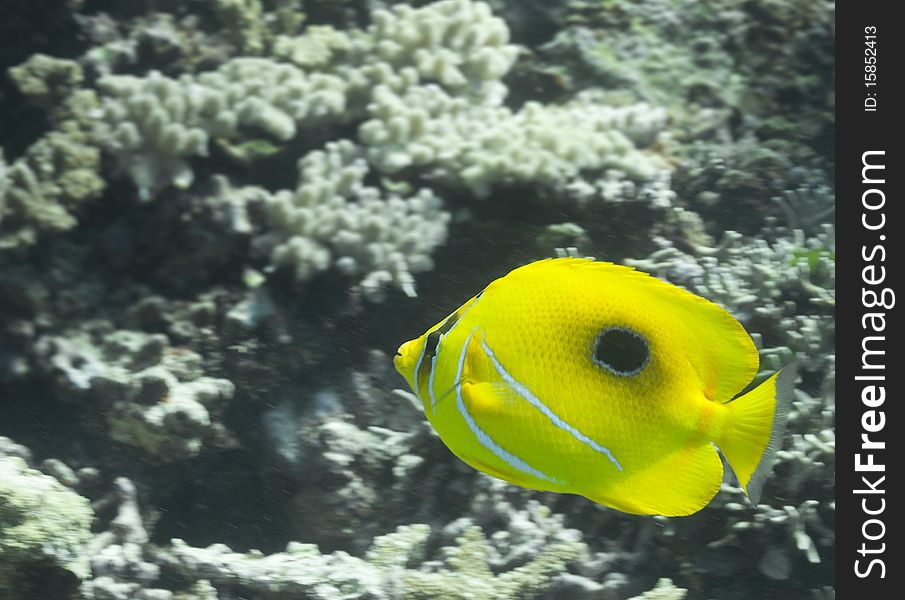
{"x": 577, "y": 376}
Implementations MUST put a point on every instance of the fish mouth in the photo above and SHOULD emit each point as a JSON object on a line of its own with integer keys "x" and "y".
{"x": 400, "y": 361}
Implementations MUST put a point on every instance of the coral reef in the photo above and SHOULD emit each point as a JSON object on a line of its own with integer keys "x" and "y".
{"x": 42, "y": 189}
{"x": 333, "y": 219}
{"x": 119, "y": 566}
{"x": 56, "y": 174}
{"x": 384, "y": 573}
{"x": 721, "y": 70}
{"x": 417, "y": 84}
{"x": 215, "y": 217}
{"x": 152, "y": 395}
{"x": 42, "y": 523}
{"x": 664, "y": 590}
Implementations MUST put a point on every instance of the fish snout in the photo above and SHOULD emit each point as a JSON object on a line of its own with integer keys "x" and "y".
{"x": 404, "y": 361}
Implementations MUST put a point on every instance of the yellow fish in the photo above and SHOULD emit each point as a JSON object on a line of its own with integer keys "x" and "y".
{"x": 586, "y": 377}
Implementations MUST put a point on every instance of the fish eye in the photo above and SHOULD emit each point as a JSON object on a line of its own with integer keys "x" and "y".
{"x": 622, "y": 351}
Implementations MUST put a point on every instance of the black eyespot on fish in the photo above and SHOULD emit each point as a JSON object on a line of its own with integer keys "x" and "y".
{"x": 622, "y": 351}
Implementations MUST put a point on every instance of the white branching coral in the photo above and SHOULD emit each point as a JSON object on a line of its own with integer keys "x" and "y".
{"x": 335, "y": 220}
{"x": 153, "y": 124}
{"x": 482, "y": 145}
{"x": 449, "y": 114}
{"x": 456, "y": 43}
{"x": 423, "y": 90}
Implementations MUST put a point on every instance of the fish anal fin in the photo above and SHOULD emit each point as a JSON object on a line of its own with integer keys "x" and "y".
{"x": 678, "y": 485}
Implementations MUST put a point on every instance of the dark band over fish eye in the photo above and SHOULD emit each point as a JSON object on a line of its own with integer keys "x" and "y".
{"x": 424, "y": 368}
{"x": 433, "y": 338}
{"x": 430, "y": 347}
{"x": 621, "y": 351}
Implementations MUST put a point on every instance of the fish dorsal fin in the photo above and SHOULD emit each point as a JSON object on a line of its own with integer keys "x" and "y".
{"x": 707, "y": 335}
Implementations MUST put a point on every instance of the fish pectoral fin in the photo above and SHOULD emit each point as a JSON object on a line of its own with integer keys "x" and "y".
{"x": 682, "y": 483}
{"x": 494, "y": 424}
{"x": 478, "y": 366}
{"x": 499, "y": 390}
{"x": 475, "y": 367}
{"x": 479, "y": 369}
{"x": 486, "y": 401}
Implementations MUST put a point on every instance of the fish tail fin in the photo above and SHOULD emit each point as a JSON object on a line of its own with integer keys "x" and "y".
{"x": 757, "y": 423}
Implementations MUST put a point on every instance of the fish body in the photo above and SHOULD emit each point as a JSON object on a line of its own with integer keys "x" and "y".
{"x": 585, "y": 377}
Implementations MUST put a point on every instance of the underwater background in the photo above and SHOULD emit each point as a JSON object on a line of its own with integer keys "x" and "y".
{"x": 220, "y": 218}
